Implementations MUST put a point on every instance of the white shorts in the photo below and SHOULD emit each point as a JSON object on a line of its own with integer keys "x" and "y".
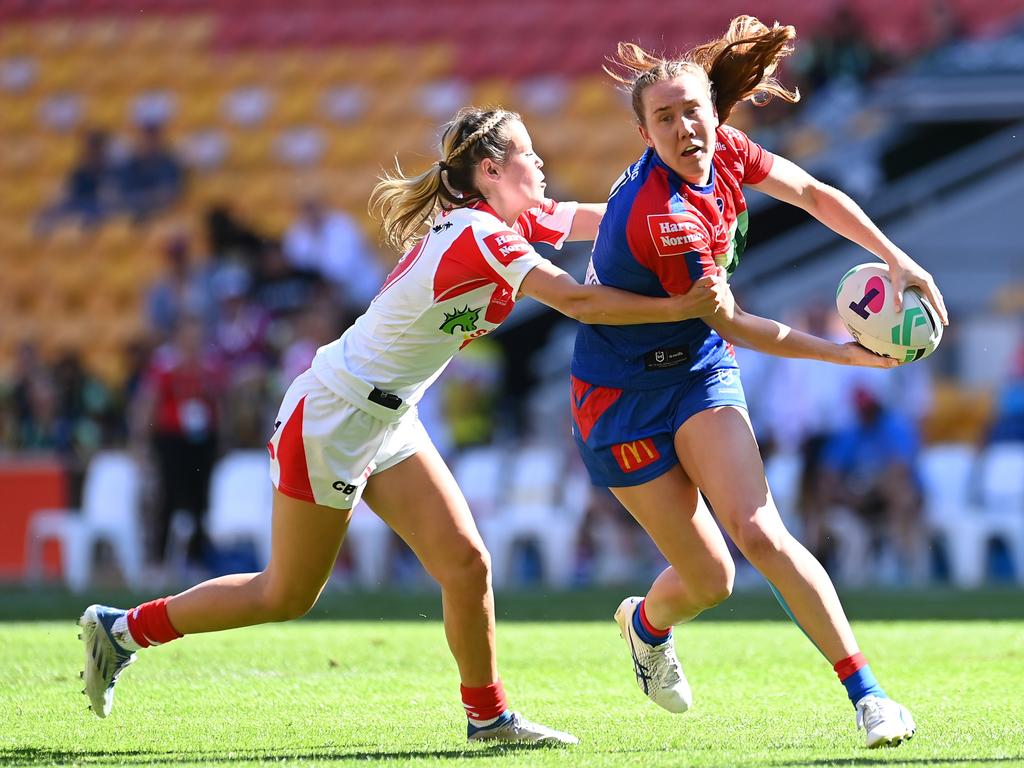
{"x": 325, "y": 447}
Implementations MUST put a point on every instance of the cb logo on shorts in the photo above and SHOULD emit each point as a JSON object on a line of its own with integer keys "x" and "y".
{"x": 346, "y": 488}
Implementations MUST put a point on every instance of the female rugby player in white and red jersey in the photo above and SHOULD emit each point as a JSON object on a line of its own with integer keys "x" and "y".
{"x": 659, "y": 410}
{"x": 348, "y": 427}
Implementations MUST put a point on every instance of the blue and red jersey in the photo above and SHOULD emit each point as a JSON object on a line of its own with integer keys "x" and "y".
{"x": 659, "y": 235}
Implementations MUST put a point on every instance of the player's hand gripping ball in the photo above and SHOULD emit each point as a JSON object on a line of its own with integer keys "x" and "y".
{"x": 865, "y": 303}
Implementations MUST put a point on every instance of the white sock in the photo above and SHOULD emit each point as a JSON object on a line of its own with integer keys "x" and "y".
{"x": 122, "y": 635}
{"x": 485, "y": 723}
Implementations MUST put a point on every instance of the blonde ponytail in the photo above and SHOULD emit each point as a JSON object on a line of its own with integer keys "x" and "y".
{"x": 406, "y": 204}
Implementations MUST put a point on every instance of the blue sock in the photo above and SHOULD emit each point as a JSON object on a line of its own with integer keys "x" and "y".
{"x": 643, "y": 632}
{"x": 503, "y": 718}
{"x": 862, "y": 683}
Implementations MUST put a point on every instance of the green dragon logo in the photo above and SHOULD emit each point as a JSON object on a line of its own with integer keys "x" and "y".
{"x": 461, "y": 318}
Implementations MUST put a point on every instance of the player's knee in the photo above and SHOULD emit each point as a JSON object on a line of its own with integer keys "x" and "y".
{"x": 468, "y": 568}
{"x": 287, "y": 602}
{"x": 759, "y": 540}
{"x": 715, "y": 586}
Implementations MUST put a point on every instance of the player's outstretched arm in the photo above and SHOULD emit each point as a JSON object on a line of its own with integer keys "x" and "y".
{"x": 586, "y": 221}
{"x": 775, "y": 338}
{"x": 788, "y": 182}
{"x": 601, "y": 305}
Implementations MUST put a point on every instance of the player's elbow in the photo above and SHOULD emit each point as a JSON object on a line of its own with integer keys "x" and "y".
{"x": 578, "y": 302}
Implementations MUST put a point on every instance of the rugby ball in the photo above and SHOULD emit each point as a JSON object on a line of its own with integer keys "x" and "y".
{"x": 864, "y": 299}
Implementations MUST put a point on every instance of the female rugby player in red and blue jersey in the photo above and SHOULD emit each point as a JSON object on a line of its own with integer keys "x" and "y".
{"x": 659, "y": 409}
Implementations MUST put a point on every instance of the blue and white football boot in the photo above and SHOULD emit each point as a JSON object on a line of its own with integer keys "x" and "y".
{"x": 512, "y": 727}
{"x": 885, "y": 723}
{"x": 104, "y": 658}
{"x": 658, "y": 671}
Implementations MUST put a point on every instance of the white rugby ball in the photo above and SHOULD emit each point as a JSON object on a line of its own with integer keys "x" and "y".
{"x": 864, "y": 299}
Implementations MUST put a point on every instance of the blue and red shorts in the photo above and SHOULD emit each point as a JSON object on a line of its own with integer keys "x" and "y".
{"x": 626, "y": 436}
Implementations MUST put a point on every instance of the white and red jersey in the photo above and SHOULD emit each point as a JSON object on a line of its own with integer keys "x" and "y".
{"x": 457, "y": 284}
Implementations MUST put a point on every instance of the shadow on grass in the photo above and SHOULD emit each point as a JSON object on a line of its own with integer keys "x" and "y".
{"x": 29, "y": 756}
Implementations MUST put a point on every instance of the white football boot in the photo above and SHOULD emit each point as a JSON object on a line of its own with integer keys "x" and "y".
{"x": 104, "y": 658}
{"x": 885, "y": 723}
{"x": 658, "y": 672}
{"x": 513, "y": 728}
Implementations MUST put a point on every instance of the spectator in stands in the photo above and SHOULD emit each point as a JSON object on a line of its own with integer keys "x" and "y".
{"x": 1008, "y": 422}
{"x": 315, "y": 327}
{"x": 90, "y": 190}
{"x": 231, "y": 240}
{"x": 241, "y": 340}
{"x": 240, "y": 334}
{"x": 83, "y": 407}
{"x": 183, "y": 289}
{"x": 330, "y": 242}
{"x": 177, "y": 411}
{"x": 841, "y": 50}
{"x": 870, "y": 469}
{"x": 282, "y": 288}
{"x": 152, "y": 177}
{"x": 38, "y": 426}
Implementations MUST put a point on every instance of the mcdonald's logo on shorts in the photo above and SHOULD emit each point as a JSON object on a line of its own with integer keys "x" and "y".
{"x": 636, "y": 454}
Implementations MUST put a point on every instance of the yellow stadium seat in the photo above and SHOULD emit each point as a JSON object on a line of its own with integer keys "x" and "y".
{"x": 297, "y": 104}
{"x": 199, "y": 108}
{"x": 596, "y": 97}
{"x": 434, "y": 61}
{"x": 249, "y": 149}
{"x": 58, "y": 34}
{"x": 17, "y": 114}
{"x": 17, "y": 39}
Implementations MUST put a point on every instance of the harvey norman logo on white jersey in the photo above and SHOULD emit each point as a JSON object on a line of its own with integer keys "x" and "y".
{"x": 675, "y": 234}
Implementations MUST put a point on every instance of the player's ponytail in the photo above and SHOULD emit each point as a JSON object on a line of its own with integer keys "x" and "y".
{"x": 737, "y": 66}
{"x": 741, "y": 64}
{"x": 406, "y": 204}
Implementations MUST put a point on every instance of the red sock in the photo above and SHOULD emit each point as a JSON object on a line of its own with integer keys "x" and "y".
{"x": 484, "y": 703}
{"x": 150, "y": 625}
{"x": 655, "y": 631}
{"x": 849, "y": 665}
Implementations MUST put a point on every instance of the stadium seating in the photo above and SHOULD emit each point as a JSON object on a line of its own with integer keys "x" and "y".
{"x": 315, "y": 86}
{"x": 540, "y": 506}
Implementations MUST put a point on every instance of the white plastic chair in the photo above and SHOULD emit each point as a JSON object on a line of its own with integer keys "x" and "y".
{"x": 369, "y": 542}
{"x": 480, "y": 474}
{"x": 241, "y": 501}
{"x": 541, "y": 505}
{"x": 1001, "y": 487}
{"x": 947, "y": 472}
{"x": 783, "y": 471}
{"x": 110, "y": 512}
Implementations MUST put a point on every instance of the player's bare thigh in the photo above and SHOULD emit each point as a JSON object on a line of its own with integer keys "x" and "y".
{"x": 419, "y": 499}
{"x": 681, "y": 526}
{"x": 717, "y": 448}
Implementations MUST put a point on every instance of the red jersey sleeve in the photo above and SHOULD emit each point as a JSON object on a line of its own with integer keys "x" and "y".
{"x": 674, "y": 246}
{"x": 548, "y": 223}
{"x": 755, "y": 160}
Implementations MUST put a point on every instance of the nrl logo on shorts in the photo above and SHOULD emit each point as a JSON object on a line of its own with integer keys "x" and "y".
{"x": 464, "y": 319}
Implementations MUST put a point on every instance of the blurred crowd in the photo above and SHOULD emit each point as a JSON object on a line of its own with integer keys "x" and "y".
{"x": 238, "y": 313}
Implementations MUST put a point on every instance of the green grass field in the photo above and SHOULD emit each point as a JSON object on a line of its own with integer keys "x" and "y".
{"x": 351, "y": 689}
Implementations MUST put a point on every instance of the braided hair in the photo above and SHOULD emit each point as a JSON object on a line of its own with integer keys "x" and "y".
{"x": 406, "y": 204}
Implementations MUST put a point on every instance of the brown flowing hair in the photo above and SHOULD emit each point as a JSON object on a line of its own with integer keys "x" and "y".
{"x": 406, "y": 204}
{"x": 738, "y": 66}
